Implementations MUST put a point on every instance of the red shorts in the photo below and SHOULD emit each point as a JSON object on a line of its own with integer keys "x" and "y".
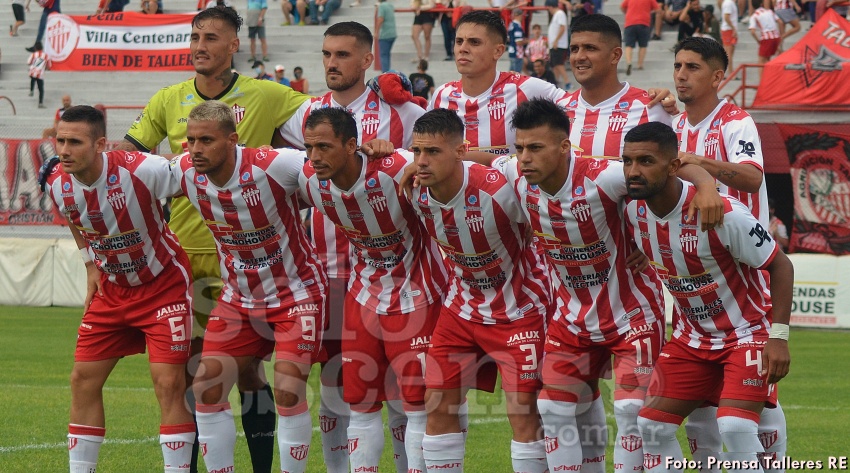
{"x": 688, "y": 374}
{"x": 729, "y": 37}
{"x": 460, "y": 349}
{"x": 768, "y": 47}
{"x": 125, "y": 319}
{"x": 378, "y": 342}
{"x": 569, "y": 359}
{"x": 293, "y": 331}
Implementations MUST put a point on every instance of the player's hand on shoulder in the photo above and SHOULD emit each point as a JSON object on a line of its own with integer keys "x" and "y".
{"x": 376, "y": 149}
{"x": 711, "y": 209}
{"x": 665, "y": 98}
{"x": 776, "y": 360}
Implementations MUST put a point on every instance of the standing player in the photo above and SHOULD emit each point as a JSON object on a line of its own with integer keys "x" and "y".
{"x": 260, "y": 108}
{"x": 347, "y": 53}
{"x": 138, "y": 283}
{"x": 602, "y": 307}
{"x": 274, "y": 286}
{"x": 395, "y": 290}
{"x": 483, "y": 97}
{"x": 498, "y": 292}
{"x": 721, "y": 350}
{"x": 723, "y": 139}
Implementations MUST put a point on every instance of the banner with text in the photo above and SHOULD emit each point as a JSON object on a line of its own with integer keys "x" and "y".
{"x": 123, "y": 41}
{"x": 821, "y": 291}
{"x": 820, "y": 175}
{"x": 21, "y": 201}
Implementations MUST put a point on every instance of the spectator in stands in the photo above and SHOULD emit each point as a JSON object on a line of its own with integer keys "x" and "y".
{"x": 385, "y": 23}
{"x": 516, "y": 41}
{"x": 710, "y": 25}
{"x": 537, "y": 48}
{"x": 150, "y": 7}
{"x": 542, "y": 71}
{"x": 557, "y": 38}
{"x": 672, "y": 9}
{"x": 788, "y": 12}
{"x": 294, "y": 12}
{"x": 278, "y": 75}
{"x": 260, "y": 69}
{"x": 20, "y": 16}
{"x": 448, "y": 29}
{"x": 323, "y": 7}
{"x": 729, "y": 29}
{"x": 48, "y": 7}
{"x": 38, "y": 63}
{"x": 776, "y": 227}
{"x": 690, "y": 20}
{"x": 764, "y": 26}
{"x": 423, "y": 84}
{"x": 111, "y": 6}
{"x": 299, "y": 83}
{"x": 255, "y": 18}
{"x": 51, "y": 132}
{"x": 423, "y": 23}
{"x": 638, "y": 23}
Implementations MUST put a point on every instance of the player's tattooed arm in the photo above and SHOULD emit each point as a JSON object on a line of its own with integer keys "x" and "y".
{"x": 744, "y": 177}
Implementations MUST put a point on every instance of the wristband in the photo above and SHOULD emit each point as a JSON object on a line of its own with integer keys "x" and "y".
{"x": 780, "y": 331}
{"x": 84, "y": 252}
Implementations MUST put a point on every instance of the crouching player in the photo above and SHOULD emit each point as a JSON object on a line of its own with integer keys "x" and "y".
{"x": 138, "y": 283}
{"x": 730, "y": 335}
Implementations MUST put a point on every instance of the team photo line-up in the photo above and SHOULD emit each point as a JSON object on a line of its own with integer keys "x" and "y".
{"x": 507, "y": 228}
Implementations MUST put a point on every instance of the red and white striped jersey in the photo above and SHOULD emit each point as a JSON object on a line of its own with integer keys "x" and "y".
{"x": 764, "y": 21}
{"x": 376, "y": 119}
{"x": 38, "y": 62}
{"x": 720, "y": 298}
{"x": 265, "y": 256}
{"x": 728, "y": 134}
{"x": 397, "y": 268}
{"x": 597, "y": 131}
{"x": 498, "y": 276}
{"x": 120, "y": 216}
{"x": 782, "y": 4}
{"x": 583, "y": 237}
{"x": 487, "y": 117}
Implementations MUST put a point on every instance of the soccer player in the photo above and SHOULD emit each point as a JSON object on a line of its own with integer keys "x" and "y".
{"x": 602, "y": 307}
{"x": 137, "y": 293}
{"x": 260, "y": 107}
{"x": 274, "y": 286}
{"x": 723, "y": 139}
{"x": 395, "y": 290}
{"x": 498, "y": 294}
{"x": 730, "y": 338}
{"x": 347, "y": 55}
{"x": 483, "y": 97}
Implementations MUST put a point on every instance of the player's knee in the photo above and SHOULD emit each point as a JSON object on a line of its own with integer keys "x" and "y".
{"x": 656, "y": 426}
{"x": 287, "y": 398}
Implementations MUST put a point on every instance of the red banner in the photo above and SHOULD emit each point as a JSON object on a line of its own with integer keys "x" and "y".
{"x": 21, "y": 201}
{"x": 124, "y": 41}
{"x": 820, "y": 175}
{"x": 813, "y": 72}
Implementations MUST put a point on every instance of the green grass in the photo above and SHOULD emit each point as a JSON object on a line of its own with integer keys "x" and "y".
{"x": 36, "y": 354}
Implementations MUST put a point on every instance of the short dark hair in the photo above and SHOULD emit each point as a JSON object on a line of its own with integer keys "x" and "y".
{"x": 423, "y": 64}
{"x": 598, "y": 23}
{"x": 439, "y": 121}
{"x": 538, "y": 112}
{"x": 709, "y": 50}
{"x": 488, "y": 19}
{"x": 342, "y": 122}
{"x": 219, "y": 12}
{"x": 655, "y": 132}
{"x": 89, "y": 115}
{"x": 757, "y": 3}
{"x": 361, "y": 34}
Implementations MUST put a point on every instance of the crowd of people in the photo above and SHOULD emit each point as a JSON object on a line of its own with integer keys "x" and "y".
{"x": 535, "y": 244}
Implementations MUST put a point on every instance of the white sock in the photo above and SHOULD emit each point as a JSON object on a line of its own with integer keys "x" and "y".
{"x": 628, "y": 446}
{"x": 529, "y": 457}
{"x": 216, "y": 435}
{"x": 365, "y": 440}
{"x": 463, "y": 417}
{"x": 294, "y": 432}
{"x": 397, "y": 422}
{"x": 591, "y": 422}
{"x": 740, "y": 436}
{"x": 176, "y": 442}
{"x": 334, "y": 414}
{"x": 773, "y": 435}
{"x": 84, "y": 447}
{"x": 444, "y": 452}
{"x": 704, "y": 437}
{"x": 413, "y": 441}
{"x": 562, "y": 442}
{"x": 660, "y": 445}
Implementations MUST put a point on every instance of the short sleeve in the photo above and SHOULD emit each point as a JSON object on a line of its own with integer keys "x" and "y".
{"x": 293, "y": 129}
{"x": 156, "y": 172}
{"x": 745, "y": 238}
{"x": 743, "y": 144}
{"x": 285, "y": 168}
{"x": 149, "y": 128}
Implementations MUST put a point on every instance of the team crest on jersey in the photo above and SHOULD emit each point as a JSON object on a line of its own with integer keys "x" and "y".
{"x": 617, "y": 121}
{"x": 117, "y": 199}
{"x": 497, "y": 109}
{"x": 580, "y": 210}
{"x": 239, "y": 112}
{"x": 475, "y": 222}
{"x": 251, "y": 195}
{"x": 370, "y": 124}
{"x": 711, "y": 144}
{"x": 688, "y": 239}
{"x": 378, "y": 203}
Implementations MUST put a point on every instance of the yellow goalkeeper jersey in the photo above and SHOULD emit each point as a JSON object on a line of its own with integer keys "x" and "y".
{"x": 260, "y": 106}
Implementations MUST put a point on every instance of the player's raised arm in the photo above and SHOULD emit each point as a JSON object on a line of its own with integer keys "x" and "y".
{"x": 707, "y": 201}
{"x": 745, "y": 177}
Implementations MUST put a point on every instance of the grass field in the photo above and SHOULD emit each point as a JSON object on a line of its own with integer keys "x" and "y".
{"x": 36, "y": 354}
